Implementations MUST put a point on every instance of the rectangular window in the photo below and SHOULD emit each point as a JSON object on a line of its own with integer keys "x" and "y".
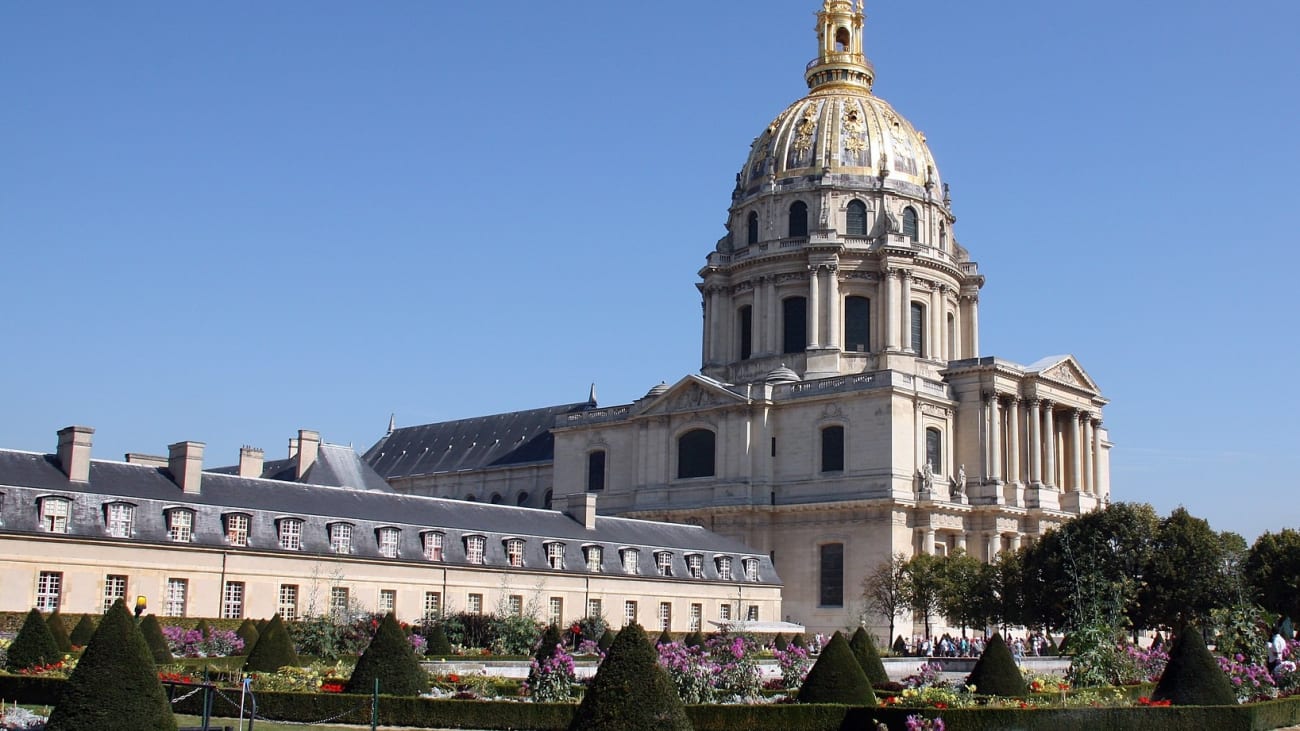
{"x": 515, "y": 605}
{"x": 594, "y": 557}
{"x": 665, "y": 615}
{"x": 631, "y": 561}
{"x": 232, "y": 600}
{"x": 387, "y": 600}
{"x": 515, "y": 552}
{"x": 594, "y": 608}
{"x": 746, "y": 322}
{"x": 474, "y": 549}
{"x": 341, "y": 538}
{"x": 339, "y": 600}
{"x": 833, "y": 449}
{"x": 857, "y": 324}
{"x": 724, "y": 568}
{"x": 432, "y": 605}
{"x": 697, "y": 615}
{"x": 752, "y": 616}
{"x": 180, "y": 526}
{"x": 751, "y": 569}
{"x": 120, "y": 519}
{"x": 475, "y": 603}
{"x": 433, "y": 546}
{"x": 54, "y": 514}
{"x": 237, "y": 530}
{"x": 289, "y": 602}
{"x": 114, "y": 589}
{"x": 629, "y": 612}
{"x": 555, "y": 610}
{"x": 918, "y": 329}
{"x": 291, "y": 534}
{"x": 794, "y": 323}
{"x": 831, "y": 573}
{"x": 664, "y": 563}
{"x": 388, "y": 540}
{"x": 596, "y": 471}
{"x": 177, "y": 594}
{"x": 49, "y": 588}
{"x": 724, "y": 612}
{"x": 695, "y": 566}
{"x": 555, "y": 555}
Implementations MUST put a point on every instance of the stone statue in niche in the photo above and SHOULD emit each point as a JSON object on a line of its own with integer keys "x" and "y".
{"x": 927, "y": 477}
{"x": 959, "y": 482}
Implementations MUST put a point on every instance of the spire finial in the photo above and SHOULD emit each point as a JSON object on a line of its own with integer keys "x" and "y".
{"x": 591, "y": 397}
{"x": 392, "y": 422}
{"x": 840, "y": 60}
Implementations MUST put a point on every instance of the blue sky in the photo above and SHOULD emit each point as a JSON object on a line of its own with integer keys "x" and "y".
{"x": 228, "y": 221}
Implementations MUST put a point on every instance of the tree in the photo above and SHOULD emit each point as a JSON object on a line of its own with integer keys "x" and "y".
{"x": 966, "y": 595}
{"x": 884, "y": 590}
{"x": 864, "y": 651}
{"x": 1007, "y": 590}
{"x": 248, "y": 633}
{"x": 995, "y": 673}
{"x": 34, "y": 645}
{"x": 630, "y": 691}
{"x": 551, "y": 638}
{"x": 837, "y": 677}
{"x": 84, "y": 630}
{"x": 59, "y": 631}
{"x": 274, "y": 649}
{"x": 390, "y": 660}
{"x": 1273, "y": 568}
{"x": 1192, "y": 677}
{"x": 438, "y": 644}
{"x": 606, "y": 640}
{"x": 153, "y": 637}
{"x": 115, "y": 684}
{"x": 1184, "y": 577}
{"x": 924, "y": 586}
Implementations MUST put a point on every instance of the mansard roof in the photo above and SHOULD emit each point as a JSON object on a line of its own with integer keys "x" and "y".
{"x": 512, "y": 438}
{"x": 335, "y": 466}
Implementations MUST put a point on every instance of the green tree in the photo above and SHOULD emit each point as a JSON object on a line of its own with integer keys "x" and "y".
{"x": 248, "y": 633}
{"x": 390, "y": 660}
{"x": 154, "y": 638}
{"x": 837, "y": 677}
{"x": 438, "y": 644}
{"x": 966, "y": 591}
{"x": 884, "y": 590}
{"x": 1273, "y": 569}
{"x": 274, "y": 649}
{"x": 995, "y": 673}
{"x": 115, "y": 684}
{"x": 84, "y": 630}
{"x": 34, "y": 645}
{"x": 59, "y": 631}
{"x": 924, "y": 586}
{"x": 1007, "y": 590}
{"x": 630, "y": 692}
{"x": 868, "y": 657}
{"x": 1192, "y": 677}
{"x": 1184, "y": 576}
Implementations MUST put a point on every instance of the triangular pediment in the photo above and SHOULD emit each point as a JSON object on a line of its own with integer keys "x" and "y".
{"x": 1064, "y": 369}
{"x": 692, "y": 393}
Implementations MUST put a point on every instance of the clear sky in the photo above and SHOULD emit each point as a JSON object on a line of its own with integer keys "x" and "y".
{"x": 228, "y": 221}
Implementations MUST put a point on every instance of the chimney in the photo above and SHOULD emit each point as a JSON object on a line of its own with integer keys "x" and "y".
{"x": 308, "y": 448}
{"x": 185, "y": 462}
{"x": 74, "y": 452}
{"x": 293, "y": 447}
{"x": 582, "y": 508}
{"x": 250, "y": 461}
{"x": 149, "y": 460}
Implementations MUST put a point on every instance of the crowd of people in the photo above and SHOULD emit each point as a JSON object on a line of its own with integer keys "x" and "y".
{"x": 1035, "y": 645}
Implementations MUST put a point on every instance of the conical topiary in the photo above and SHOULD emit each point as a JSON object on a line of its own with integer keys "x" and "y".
{"x": 630, "y": 691}
{"x": 248, "y": 633}
{"x": 438, "y": 644}
{"x": 261, "y": 625}
{"x": 900, "y": 646}
{"x": 780, "y": 642}
{"x": 836, "y": 677}
{"x": 664, "y": 638}
{"x": 203, "y": 628}
{"x": 59, "y": 631}
{"x": 115, "y": 684}
{"x": 34, "y": 645}
{"x": 694, "y": 639}
{"x": 864, "y": 650}
{"x": 1064, "y": 647}
{"x": 1192, "y": 677}
{"x": 606, "y": 639}
{"x": 1052, "y": 649}
{"x": 996, "y": 673}
{"x": 154, "y": 638}
{"x": 274, "y": 649}
{"x": 551, "y": 638}
{"x": 390, "y": 660}
{"x": 798, "y": 641}
{"x": 84, "y": 630}
{"x": 1158, "y": 642}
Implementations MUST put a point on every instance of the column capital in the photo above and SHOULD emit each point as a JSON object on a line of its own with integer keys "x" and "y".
{"x": 1033, "y": 403}
{"x": 1011, "y": 399}
{"x": 1074, "y": 415}
{"x": 1046, "y": 403}
{"x": 989, "y": 396}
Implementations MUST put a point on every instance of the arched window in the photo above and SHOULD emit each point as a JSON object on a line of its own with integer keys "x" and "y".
{"x": 857, "y": 324}
{"x": 934, "y": 448}
{"x": 118, "y": 518}
{"x": 514, "y": 552}
{"x": 910, "y": 227}
{"x": 522, "y": 499}
{"x": 596, "y": 471}
{"x": 546, "y": 500}
{"x": 180, "y": 525}
{"x": 695, "y": 454}
{"x": 495, "y": 499}
{"x": 833, "y": 449}
{"x": 340, "y": 537}
{"x": 794, "y": 311}
{"x": 798, "y": 219}
{"x": 751, "y": 228}
{"x": 842, "y": 39}
{"x": 54, "y": 514}
{"x": 745, "y": 324}
{"x": 290, "y": 531}
{"x": 856, "y": 219}
{"x": 471, "y": 499}
{"x": 943, "y": 236}
{"x": 918, "y": 329}
{"x": 388, "y": 539}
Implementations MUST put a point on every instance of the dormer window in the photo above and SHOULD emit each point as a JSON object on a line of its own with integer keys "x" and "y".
{"x": 180, "y": 525}
{"x": 664, "y": 563}
{"x": 515, "y": 552}
{"x": 751, "y": 569}
{"x": 290, "y": 530}
{"x": 631, "y": 560}
{"x": 341, "y": 538}
{"x": 54, "y": 514}
{"x": 119, "y": 519}
{"x": 474, "y": 546}
{"x": 555, "y": 555}
{"x": 594, "y": 556}
{"x": 388, "y": 538}
{"x": 432, "y": 546}
{"x": 724, "y": 567}
{"x": 695, "y": 565}
{"x": 237, "y": 529}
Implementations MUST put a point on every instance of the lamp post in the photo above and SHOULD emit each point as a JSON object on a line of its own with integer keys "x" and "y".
{"x": 140, "y": 605}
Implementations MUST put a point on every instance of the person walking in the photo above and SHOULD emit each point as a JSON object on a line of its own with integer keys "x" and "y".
{"x": 1276, "y": 649}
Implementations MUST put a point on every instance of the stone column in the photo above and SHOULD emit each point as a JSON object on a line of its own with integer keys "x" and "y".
{"x": 1085, "y": 446}
{"x": 890, "y": 309}
{"x": 973, "y": 347}
{"x": 1015, "y": 542}
{"x": 905, "y": 308}
{"x": 936, "y": 322}
{"x": 773, "y": 316}
{"x": 961, "y": 540}
{"x": 814, "y": 314}
{"x": 1013, "y": 440}
{"x": 1049, "y": 445}
{"x": 1096, "y": 456}
{"x": 1076, "y": 453}
{"x": 994, "y": 545}
{"x": 1035, "y": 447}
{"x": 833, "y": 307}
{"x": 927, "y": 541}
{"x": 995, "y": 437}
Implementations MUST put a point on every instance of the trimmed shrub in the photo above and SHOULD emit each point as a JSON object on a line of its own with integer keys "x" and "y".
{"x": 273, "y": 650}
{"x": 153, "y": 637}
{"x": 34, "y": 644}
{"x": 438, "y": 644}
{"x": 1064, "y": 647}
{"x": 82, "y": 633}
{"x": 59, "y": 631}
{"x": 900, "y": 646}
{"x": 390, "y": 659}
{"x": 545, "y": 650}
{"x": 780, "y": 642}
{"x": 799, "y": 642}
{"x": 261, "y": 625}
{"x": 115, "y": 685}
{"x": 248, "y": 633}
{"x": 630, "y": 691}
{"x": 694, "y": 639}
{"x": 664, "y": 639}
{"x": 1052, "y": 649}
{"x": 606, "y": 639}
{"x": 996, "y": 672}
{"x": 864, "y": 649}
{"x": 1193, "y": 677}
{"x": 837, "y": 678}
{"x": 203, "y": 629}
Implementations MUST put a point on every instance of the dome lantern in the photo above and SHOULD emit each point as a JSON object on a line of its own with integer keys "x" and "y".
{"x": 840, "y": 60}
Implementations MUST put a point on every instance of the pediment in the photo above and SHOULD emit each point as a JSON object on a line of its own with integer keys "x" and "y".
{"x": 1065, "y": 370}
{"x": 692, "y": 393}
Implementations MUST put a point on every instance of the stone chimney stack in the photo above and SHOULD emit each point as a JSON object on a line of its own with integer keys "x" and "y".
{"x": 250, "y": 461}
{"x": 582, "y": 508}
{"x": 74, "y": 452}
{"x": 308, "y": 448}
{"x": 185, "y": 462}
{"x": 293, "y": 447}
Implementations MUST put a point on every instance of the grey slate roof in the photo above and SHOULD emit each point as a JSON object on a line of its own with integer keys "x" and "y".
{"x": 516, "y": 437}
{"x": 335, "y": 466}
{"x": 25, "y": 477}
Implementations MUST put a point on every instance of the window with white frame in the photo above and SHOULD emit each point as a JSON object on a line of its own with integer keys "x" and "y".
{"x": 555, "y": 555}
{"x": 177, "y": 594}
{"x": 751, "y": 569}
{"x": 49, "y": 589}
{"x": 665, "y": 616}
{"x": 232, "y": 600}
{"x": 180, "y": 525}
{"x": 54, "y": 514}
{"x": 114, "y": 589}
{"x": 475, "y": 604}
{"x": 288, "y": 602}
{"x": 555, "y": 610}
{"x": 724, "y": 612}
{"x": 432, "y": 605}
{"x": 724, "y": 567}
{"x": 695, "y": 565}
{"x": 387, "y": 600}
{"x": 697, "y": 616}
{"x": 291, "y": 534}
{"x": 120, "y": 518}
{"x": 629, "y": 612}
{"x": 752, "y": 613}
{"x": 339, "y": 600}
{"x": 594, "y": 557}
{"x": 432, "y": 546}
{"x": 595, "y": 608}
{"x": 631, "y": 560}
{"x": 237, "y": 529}
{"x": 474, "y": 549}
{"x": 664, "y": 563}
{"x": 388, "y": 541}
{"x": 341, "y": 538}
{"x": 514, "y": 552}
